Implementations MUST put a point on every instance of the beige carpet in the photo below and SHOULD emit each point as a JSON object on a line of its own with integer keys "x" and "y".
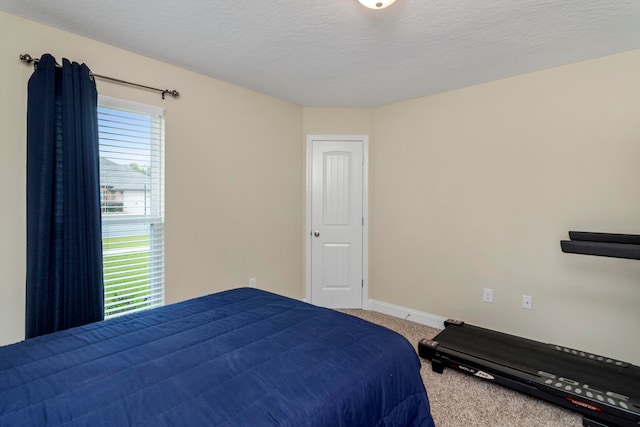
{"x": 460, "y": 400}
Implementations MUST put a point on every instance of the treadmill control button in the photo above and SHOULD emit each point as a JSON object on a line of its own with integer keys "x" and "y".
{"x": 568, "y": 387}
{"x": 567, "y": 380}
{"x": 548, "y": 381}
{"x": 624, "y": 405}
{"x": 579, "y": 391}
{"x": 600, "y": 397}
{"x": 610, "y": 400}
{"x": 546, "y": 374}
{"x": 589, "y": 394}
{"x": 558, "y": 384}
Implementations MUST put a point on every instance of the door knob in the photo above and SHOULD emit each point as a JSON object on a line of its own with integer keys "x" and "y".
{"x": 316, "y": 233}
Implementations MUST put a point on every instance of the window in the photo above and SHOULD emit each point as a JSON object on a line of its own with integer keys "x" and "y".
{"x": 132, "y": 202}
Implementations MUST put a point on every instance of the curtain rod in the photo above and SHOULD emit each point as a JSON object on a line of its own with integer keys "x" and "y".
{"x": 29, "y": 59}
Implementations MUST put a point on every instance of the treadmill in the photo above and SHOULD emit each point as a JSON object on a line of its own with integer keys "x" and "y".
{"x": 605, "y": 391}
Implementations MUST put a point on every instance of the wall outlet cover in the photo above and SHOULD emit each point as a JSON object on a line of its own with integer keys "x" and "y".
{"x": 487, "y": 294}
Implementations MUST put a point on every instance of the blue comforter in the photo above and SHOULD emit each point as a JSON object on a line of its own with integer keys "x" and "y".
{"x": 243, "y": 357}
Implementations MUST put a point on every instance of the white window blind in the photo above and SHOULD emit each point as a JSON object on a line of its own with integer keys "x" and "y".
{"x": 132, "y": 201}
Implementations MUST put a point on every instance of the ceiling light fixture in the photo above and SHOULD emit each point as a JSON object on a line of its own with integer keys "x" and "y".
{"x": 377, "y": 4}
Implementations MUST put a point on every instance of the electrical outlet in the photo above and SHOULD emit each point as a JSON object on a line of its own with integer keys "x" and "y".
{"x": 527, "y": 302}
{"x": 252, "y": 283}
{"x": 487, "y": 295}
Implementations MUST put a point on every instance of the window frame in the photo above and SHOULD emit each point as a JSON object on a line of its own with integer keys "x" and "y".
{"x": 154, "y": 219}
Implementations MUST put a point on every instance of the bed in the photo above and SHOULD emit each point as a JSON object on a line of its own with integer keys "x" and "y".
{"x": 243, "y": 357}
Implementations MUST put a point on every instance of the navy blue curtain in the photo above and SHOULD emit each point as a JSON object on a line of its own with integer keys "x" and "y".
{"x": 64, "y": 246}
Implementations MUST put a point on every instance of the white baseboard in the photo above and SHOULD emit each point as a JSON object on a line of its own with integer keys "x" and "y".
{"x": 407, "y": 313}
{"x": 401, "y": 312}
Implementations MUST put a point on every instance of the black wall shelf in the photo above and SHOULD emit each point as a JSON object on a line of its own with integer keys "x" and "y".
{"x": 602, "y": 244}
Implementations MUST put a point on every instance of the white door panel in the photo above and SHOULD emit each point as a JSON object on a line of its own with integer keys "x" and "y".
{"x": 337, "y": 223}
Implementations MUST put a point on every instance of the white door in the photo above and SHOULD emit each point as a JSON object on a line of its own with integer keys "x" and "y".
{"x": 337, "y": 221}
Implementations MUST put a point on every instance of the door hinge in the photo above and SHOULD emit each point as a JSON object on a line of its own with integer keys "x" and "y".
{"x": 362, "y": 281}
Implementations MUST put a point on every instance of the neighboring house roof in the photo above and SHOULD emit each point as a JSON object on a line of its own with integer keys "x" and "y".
{"x": 121, "y": 177}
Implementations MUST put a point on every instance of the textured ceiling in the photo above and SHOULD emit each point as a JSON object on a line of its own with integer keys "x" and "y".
{"x": 338, "y": 53}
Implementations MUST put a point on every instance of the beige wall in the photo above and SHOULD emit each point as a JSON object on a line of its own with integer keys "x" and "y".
{"x": 233, "y": 173}
{"x": 476, "y": 187}
{"x": 337, "y": 121}
{"x": 468, "y": 189}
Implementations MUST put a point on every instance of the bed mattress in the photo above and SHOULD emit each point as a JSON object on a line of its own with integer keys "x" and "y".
{"x": 243, "y": 357}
